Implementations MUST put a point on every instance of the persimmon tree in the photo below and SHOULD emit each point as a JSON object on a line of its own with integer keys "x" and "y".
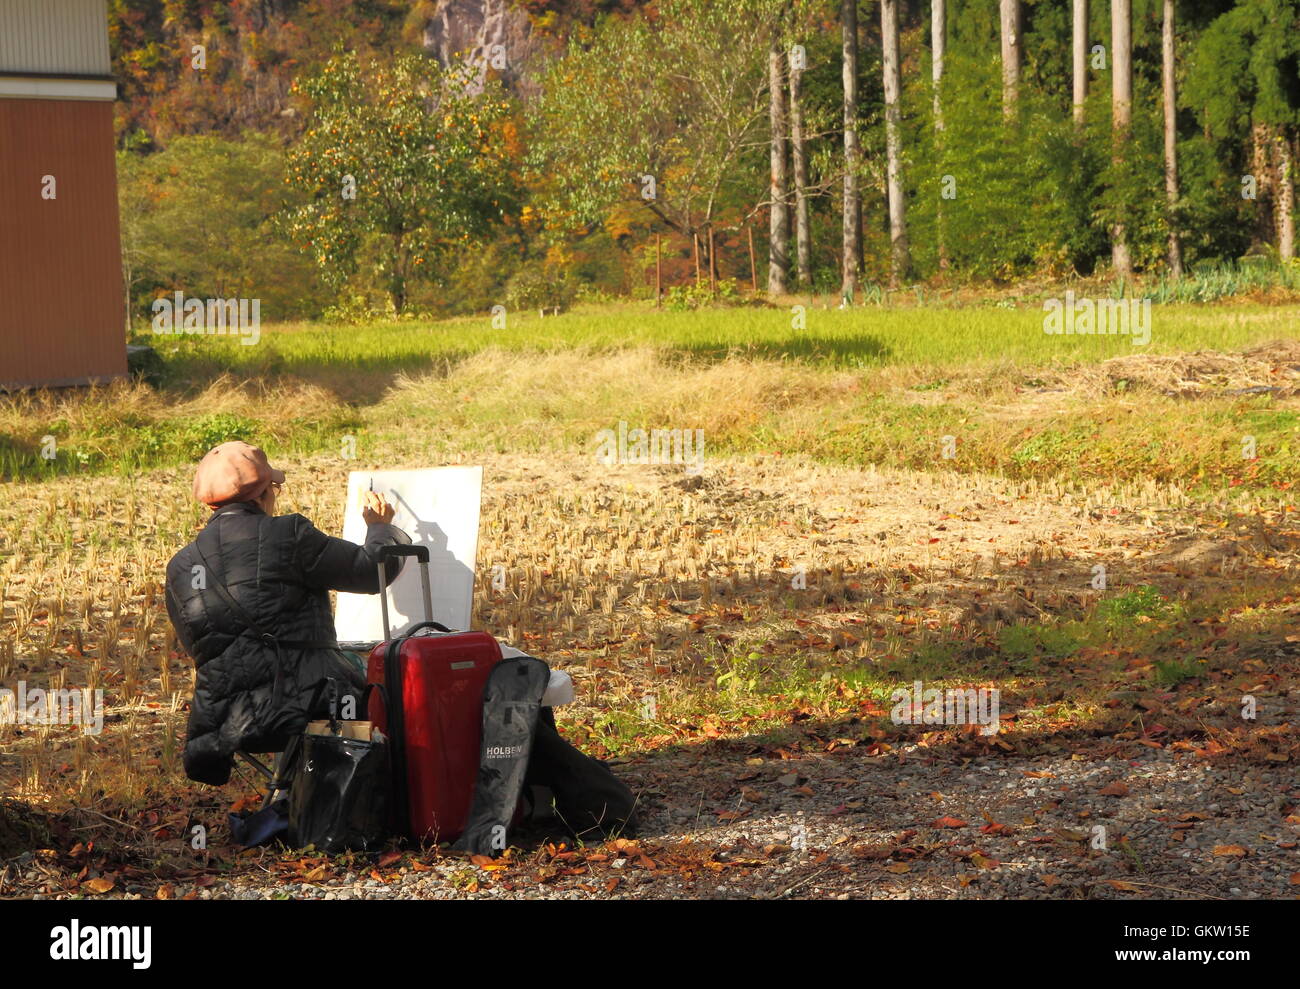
{"x": 403, "y": 162}
{"x": 663, "y": 111}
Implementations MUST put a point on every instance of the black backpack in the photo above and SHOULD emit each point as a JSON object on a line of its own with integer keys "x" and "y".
{"x": 591, "y": 802}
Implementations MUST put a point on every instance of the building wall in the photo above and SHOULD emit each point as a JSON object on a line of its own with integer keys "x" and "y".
{"x": 61, "y": 297}
{"x": 68, "y": 37}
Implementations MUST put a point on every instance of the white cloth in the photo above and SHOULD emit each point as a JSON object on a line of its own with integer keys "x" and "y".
{"x": 560, "y": 689}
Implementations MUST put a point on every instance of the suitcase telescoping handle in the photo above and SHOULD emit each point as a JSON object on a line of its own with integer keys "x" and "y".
{"x": 421, "y": 554}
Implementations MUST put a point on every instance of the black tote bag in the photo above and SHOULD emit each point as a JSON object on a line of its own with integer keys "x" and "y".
{"x": 339, "y": 799}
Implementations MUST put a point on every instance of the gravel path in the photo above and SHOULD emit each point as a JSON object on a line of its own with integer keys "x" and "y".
{"x": 729, "y": 819}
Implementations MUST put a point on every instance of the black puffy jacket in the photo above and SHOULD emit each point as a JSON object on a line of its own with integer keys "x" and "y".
{"x": 279, "y": 570}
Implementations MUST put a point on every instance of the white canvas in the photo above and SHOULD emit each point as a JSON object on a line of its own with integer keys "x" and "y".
{"x": 438, "y": 508}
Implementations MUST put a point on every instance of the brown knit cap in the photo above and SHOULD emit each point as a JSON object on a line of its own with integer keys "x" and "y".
{"x": 233, "y": 471}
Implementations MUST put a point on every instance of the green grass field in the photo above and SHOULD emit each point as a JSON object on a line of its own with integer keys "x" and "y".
{"x": 867, "y": 385}
{"x": 864, "y": 337}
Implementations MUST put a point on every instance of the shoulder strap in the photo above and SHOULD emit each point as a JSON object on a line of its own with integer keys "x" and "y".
{"x": 223, "y": 592}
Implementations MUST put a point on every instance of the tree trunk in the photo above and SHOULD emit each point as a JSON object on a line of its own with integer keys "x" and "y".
{"x": 128, "y": 278}
{"x": 1261, "y": 142}
{"x": 397, "y": 274}
{"x": 900, "y": 260}
{"x": 802, "y": 230}
{"x": 713, "y": 263}
{"x": 852, "y": 216}
{"x": 1121, "y": 97}
{"x": 659, "y": 272}
{"x": 1080, "y": 50}
{"x": 707, "y": 262}
{"x": 1175, "y": 247}
{"x": 778, "y": 264}
{"x": 753, "y": 268}
{"x": 1009, "y": 15}
{"x": 1285, "y": 212}
{"x": 938, "y": 44}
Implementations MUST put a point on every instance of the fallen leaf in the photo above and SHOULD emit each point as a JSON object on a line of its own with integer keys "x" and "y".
{"x": 995, "y": 827}
{"x": 1234, "y": 851}
{"x": 100, "y": 885}
{"x": 1070, "y": 835}
{"x": 243, "y": 803}
{"x": 877, "y": 851}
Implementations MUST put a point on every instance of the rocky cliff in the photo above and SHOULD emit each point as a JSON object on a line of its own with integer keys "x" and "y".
{"x": 494, "y": 34}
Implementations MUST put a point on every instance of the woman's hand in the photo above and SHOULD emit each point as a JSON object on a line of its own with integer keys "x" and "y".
{"x": 376, "y": 509}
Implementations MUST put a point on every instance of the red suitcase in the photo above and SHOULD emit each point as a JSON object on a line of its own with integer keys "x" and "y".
{"x": 431, "y": 709}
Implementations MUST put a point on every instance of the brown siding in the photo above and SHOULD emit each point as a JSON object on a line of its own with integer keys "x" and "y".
{"x": 61, "y": 303}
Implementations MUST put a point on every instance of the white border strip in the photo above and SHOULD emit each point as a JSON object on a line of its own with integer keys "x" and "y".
{"x": 16, "y": 87}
